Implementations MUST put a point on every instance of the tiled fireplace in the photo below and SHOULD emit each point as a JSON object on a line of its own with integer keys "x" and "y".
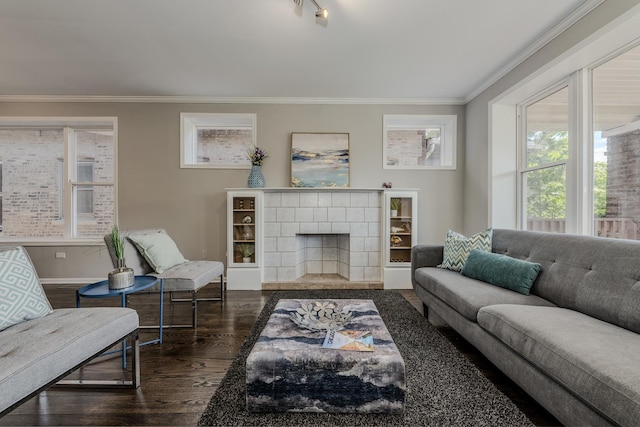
{"x": 310, "y": 232}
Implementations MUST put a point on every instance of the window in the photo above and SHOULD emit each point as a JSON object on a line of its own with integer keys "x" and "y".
{"x": 543, "y": 165}
{"x": 419, "y": 142}
{"x": 58, "y": 178}
{"x": 616, "y": 146}
{"x": 212, "y": 140}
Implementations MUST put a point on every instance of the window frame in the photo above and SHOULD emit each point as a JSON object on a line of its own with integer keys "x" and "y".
{"x": 69, "y": 124}
{"x": 191, "y": 122}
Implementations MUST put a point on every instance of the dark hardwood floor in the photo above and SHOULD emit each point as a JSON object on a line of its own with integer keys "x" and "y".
{"x": 180, "y": 375}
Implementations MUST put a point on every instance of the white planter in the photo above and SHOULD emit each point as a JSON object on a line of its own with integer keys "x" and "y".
{"x": 394, "y": 213}
{"x": 246, "y": 259}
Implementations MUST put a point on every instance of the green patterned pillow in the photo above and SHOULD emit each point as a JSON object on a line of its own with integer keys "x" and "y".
{"x": 21, "y": 294}
{"x": 458, "y": 247}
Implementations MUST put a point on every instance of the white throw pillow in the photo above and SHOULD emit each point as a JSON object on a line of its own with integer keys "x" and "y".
{"x": 159, "y": 250}
{"x": 21, "y": 294}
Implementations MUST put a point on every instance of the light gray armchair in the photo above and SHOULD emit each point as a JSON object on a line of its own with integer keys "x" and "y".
{"x": 189, "y": 276}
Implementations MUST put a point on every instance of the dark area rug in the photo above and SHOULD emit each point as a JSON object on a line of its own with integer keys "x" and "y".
{"x": 443, "y": 388}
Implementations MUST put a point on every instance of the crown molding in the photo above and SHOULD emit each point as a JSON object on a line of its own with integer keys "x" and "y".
{"x": 554, "y": 32}
{"x": 230, "y": 100}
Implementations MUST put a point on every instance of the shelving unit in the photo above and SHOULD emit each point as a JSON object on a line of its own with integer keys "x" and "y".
{"x": 401, "y": 233}
{"x": 244, "y": 239}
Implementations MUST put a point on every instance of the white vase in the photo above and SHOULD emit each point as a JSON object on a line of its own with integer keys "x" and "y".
{"x": 246, "y": 259}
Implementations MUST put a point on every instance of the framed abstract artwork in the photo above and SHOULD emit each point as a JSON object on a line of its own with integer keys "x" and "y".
{"x": 319, "y": 159}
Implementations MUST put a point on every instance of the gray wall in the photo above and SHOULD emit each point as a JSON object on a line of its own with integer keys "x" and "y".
{"x": 191, "y": 203}
{"x": 476, "y": 180}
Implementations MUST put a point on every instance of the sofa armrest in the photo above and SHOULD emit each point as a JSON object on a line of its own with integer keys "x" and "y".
{"x": 425, "y": 256}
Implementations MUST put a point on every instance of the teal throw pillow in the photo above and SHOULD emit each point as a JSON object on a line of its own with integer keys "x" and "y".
{"x": 502, "y": 270}
{"x": 159, "y": 250}
{"x": 21, "y": 294}
{"x": 457, "y": 248}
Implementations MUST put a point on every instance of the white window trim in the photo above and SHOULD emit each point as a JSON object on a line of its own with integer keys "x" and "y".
{"x": 503, "y": 207}
{"x": 68, "y": 122}
{"x": 189, "y": 123}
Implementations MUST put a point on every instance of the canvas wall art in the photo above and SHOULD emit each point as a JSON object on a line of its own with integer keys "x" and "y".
{"x": 319, "y": 159}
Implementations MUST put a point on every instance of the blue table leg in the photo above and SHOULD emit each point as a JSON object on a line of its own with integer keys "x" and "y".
{"x": 161, "y": 307}
{"x": 123, "y": 303}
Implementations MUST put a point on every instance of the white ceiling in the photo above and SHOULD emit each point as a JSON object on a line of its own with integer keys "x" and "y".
{"x": 422, "y": 50}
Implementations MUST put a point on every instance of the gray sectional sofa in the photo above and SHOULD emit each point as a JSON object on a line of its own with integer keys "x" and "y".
{"x": 573, "y": 343}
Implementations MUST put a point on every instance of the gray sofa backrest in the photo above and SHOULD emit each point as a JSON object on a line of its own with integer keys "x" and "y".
{"x": 596, "y": 276}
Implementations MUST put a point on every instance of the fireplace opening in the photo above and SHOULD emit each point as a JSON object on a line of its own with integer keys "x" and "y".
{"x": 322, "y": 257}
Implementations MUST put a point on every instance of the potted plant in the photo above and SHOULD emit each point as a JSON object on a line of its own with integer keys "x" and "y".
{"x": 394, "y": 206}
{"x": 246, "y": 250}
{"x": 122, "y": 277}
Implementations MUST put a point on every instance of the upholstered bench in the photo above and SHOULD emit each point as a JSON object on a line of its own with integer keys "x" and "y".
{"x": 152, "y": 252}
{"x": 39, "y": 346}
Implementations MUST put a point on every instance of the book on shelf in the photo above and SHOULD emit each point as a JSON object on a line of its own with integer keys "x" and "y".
{"x": 349, "y": 340}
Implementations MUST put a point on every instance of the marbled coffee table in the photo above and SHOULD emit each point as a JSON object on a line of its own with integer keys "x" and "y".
{"x": 288, "y": 370}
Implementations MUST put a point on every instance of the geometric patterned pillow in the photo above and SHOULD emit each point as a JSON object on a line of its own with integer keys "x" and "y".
{"x": 458, "y": 247}
{"x": 21, "y": 294}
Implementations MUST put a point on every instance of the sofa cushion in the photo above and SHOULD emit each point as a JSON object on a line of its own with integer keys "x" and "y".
{"x": 466, "y": 295}
{"x": 457, "y": 248}
{"x": 596, "y": 276}
{"x": 159, "y": 250}
{"x": 596, "y": 360}
{"x": 501, "y": 270}
{"x": 21, "y": 294}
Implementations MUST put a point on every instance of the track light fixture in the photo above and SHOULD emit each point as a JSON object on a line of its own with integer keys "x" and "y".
{"x": 321, "y": 12}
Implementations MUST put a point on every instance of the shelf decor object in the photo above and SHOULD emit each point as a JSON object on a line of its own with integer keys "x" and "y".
{"x": 122, "y": 277}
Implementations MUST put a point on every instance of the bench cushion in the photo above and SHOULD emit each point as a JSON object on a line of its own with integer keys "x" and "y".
{"x": 596, "y": 360}
{"x": 36, "y": 352}
{"x": 189, "y": 276}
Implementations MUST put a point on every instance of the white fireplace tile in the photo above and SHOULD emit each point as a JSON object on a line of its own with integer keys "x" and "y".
{"x": 329, "y": 267}
{"x": 359, "y": 229}
{"x": 374, "y": 229}
{"x": 374, "y": 259}
{"x": 270, "y": 274}
{"x": 372, "y": 244}
{"x": 270, "y": 215}
{"x": 301, "y": 242}
{"x": 286, "y": 244}
{"x": 271, "y": 229}
{"x": 324, "y": 199}
{"x": 324, "y": 227}
{"x": 314, "y": 267}
{"x": 314, "y": 241}
{"x": 360, "y": 200}
{"x": 301, "y": 255}
{"x": 329, "y": 241}
{"x": 301, "y": 270}
{"x": 343, "y": 256}
{"x": 304, "y": 214}
{"x": 336, "y": 214}
{"x": 272, "y": 200}
{"x": 372, "y": 274}
{"x": 330, "y": 254}
{"x": 343, "y": 270}
{"x": 358, "y": 259}
{"x": 309, "y": 228}
{"x": 286, "y": 274}
{"x": 291, "y": 199}
{"x": 320, "y": 214}
{"x": 356, "y": 244}
{"x": 340, "y": 227}
{"x": 285, "y": 215}
{"x": 288, "y": 259}
{"x": 375, "y": 200}
{"x": 270, "y": 244}
{"x": 355, "y": 214}
{"x": 289, "y": 229}
{"x": 372, "y": 215}
{"x": 343, "y": 241}
{"x": 314, "y": 254}
{"x": 356, "y": 274}
{"x": 309, "y": 200}
{"x": 272, "y": 259}
{"x": 340, "y": 199}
